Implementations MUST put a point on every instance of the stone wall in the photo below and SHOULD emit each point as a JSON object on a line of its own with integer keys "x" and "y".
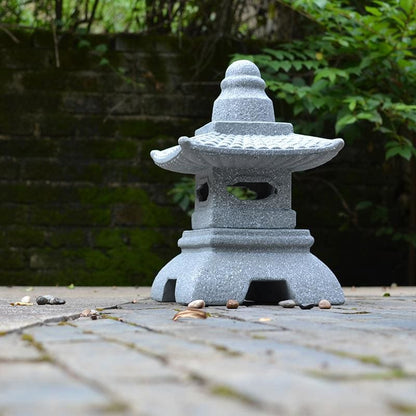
{"x": 80, "y": 199}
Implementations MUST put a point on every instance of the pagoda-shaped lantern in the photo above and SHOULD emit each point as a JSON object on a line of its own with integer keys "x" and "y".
{"x": 245, "y": 248}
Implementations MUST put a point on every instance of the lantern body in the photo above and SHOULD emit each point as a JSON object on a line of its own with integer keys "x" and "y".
{"x": 243, "y": 244}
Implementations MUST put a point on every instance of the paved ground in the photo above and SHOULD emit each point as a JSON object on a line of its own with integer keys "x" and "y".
{"x": 358, "y": 358}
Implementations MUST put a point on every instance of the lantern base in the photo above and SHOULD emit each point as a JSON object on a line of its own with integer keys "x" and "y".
{"x": 252, "y": 265}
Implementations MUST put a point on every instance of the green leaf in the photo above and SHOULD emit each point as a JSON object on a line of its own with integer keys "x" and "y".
{"x": 104, "y": 62}
{"x": 374, "y": 11}
{"x": 319, "y": 101}
{"x": 324, "y": 73}
{"x": 331, "y": 74}
{"x": 373, "y": 116}
{"x": 391, "y": 144}
{"x": 320, "y": 3}
{"x": 101, "y": 48}
{"x": 406, "y": 5}
{"x": 275, "y": 53}
{"x": 362, "y": 205}
{"x": 403, "y": 151}
{"x": 352, "y": 105}
{"x": 406, "y": 153}
{"x": 297, "y": 65}
{"x": 297, "y": 109}
{"x": 344, "y": 121}
{"x": 84, "y": 44}
{"x": 394, "y": 151}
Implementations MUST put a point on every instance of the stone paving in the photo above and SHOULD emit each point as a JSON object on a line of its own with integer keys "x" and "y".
{"x": 357, "y": 358}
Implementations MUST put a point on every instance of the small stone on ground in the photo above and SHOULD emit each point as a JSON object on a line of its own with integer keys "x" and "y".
{"x": 288, "y": 303}
{"x": 232, "y": 304}
{"x": 197, "y": 304}
{"x": 324, "y": 304}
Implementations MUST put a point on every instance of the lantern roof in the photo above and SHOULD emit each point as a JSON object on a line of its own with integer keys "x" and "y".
{"x": 244, "y": 135}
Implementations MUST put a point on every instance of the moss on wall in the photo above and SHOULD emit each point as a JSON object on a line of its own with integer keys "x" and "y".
{"x": 80, "y": 200}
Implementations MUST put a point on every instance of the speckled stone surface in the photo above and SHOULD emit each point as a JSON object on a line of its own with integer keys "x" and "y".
{"x": 245, "y": 249}
{"x": 263, "y": 360}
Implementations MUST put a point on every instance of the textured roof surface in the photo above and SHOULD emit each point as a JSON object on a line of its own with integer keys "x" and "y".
{"x": 244, "y": 135}
{"x": 260, "y": 142}
{"x": 292, "y": 152}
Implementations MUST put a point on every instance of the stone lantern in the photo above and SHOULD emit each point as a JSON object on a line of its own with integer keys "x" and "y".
{"x": 243, "y": 244}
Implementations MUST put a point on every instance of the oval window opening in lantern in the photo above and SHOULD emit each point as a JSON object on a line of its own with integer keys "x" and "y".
{"x": 202, "y": 192}
{"x": 251, "y": 190}
{"x": 267, "y": 292}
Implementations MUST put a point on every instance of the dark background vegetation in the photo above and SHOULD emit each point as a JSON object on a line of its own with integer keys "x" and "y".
{"x": 88, "y": 88}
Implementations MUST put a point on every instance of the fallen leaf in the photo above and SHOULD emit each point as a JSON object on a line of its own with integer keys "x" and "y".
{"x": 190, "y": 313}
{"x": 21, "y": 304}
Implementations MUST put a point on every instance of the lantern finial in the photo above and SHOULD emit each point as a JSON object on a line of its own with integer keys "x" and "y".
{"x": 242, "y": 95}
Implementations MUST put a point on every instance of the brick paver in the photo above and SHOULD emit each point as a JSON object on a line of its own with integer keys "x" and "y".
{"x": 256, "y": 360}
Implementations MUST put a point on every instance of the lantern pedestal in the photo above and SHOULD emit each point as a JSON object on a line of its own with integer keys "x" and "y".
{"x": 262, "y": 265}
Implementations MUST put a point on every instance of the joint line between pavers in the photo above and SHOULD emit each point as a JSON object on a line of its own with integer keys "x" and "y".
{"x": 92, "y": 383}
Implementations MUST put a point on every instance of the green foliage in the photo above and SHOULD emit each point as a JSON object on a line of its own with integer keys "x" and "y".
{"x": 379, "y": 216}
{"x": 242, "y": 193}
{"x": 177, "y": 17}
{"x": 183, "y": 194}
{"x": 100, "y": 52}
{"x": 357, "y": 70}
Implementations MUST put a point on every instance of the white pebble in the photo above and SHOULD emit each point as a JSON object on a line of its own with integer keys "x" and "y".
{"x": 25, "y": 299}
{"x": 197, "y": 304}
{"x": 288, "y": 303}
{"x": 324, "y": 304}
{"x": 85, "y": 313}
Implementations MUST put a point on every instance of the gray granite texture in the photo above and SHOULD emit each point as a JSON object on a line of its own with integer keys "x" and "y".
{"x": 245, "y": 249}
{"x": 265, "y": 266}
{"x": 221, "y": 209}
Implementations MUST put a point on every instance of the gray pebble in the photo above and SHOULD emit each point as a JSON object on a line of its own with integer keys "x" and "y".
{"x": 49, "y": 300}
{"x": 310, "y": 306}
{"x": 288, "y": 303}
